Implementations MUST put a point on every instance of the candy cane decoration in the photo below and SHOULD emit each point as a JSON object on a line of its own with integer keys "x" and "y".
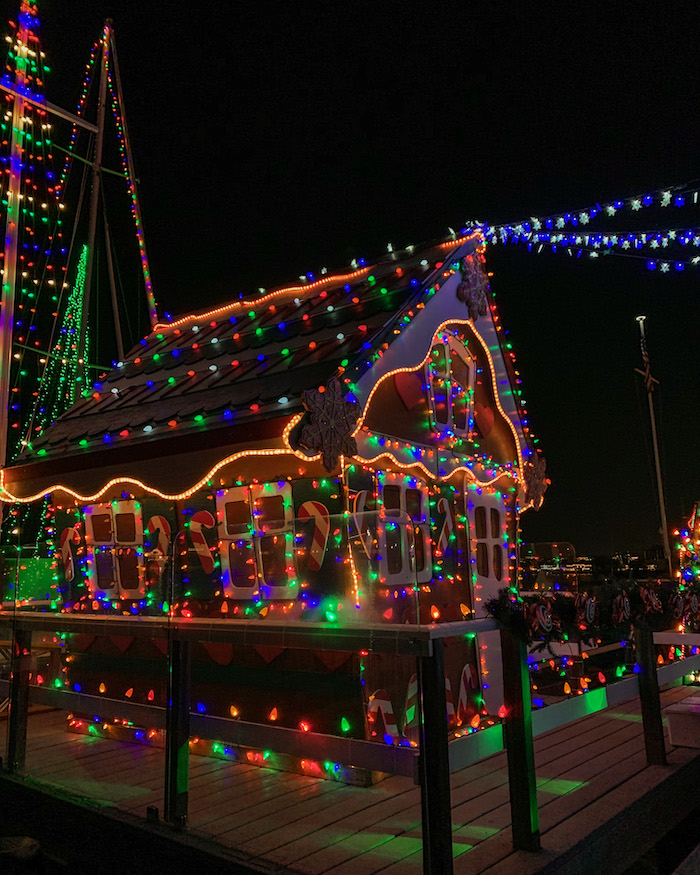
{"x": 68, "y": 536}
{"x": 466, "y": 682}
{"x": 450, "y": 701}
{"x": 203, "y": 519}
{"x": 162, "y": 526}
{"x": 322, "y": 525}
{"x": 358, "y": 516}
{"x": 380, "y": 703}
{"x": 410, "y": 713}
{"x": 445, "y": 507}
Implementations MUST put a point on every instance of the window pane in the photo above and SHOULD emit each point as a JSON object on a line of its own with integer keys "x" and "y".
{"x": 495, "y": 523}
{"x": 104, "y": 568}
{"x": 392, "y": 498}
{"x": 393, "y": 548}
{"x": 440, "y": 399}
{"x": 241, "y": 561}
{"x": 459, "y": 411}
{"x": 414, "y": 504}
{"x": 237, "y": 517}
{"x": 459, "y": 370}
{"x": 126, "y": 527}
{"x": 482, "y": 560}
{"x": 480, "y": 522}
{"x": 274, "y": 561}
{"x": 419, "y": 544}
{"x": 269, "y": 512}
{"x": 438, "y": 360}
{"x": 497, "y": 562}
{"x": 128, "y": 567}
{"x": 101, "y": 526}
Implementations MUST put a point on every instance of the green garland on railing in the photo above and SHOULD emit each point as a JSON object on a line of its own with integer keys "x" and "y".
{"x": 603, "y": 612}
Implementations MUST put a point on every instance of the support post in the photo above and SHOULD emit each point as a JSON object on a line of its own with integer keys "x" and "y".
{"x": 649, "y": 696}
{"x": 177, "y": 737}
{"x": 19, "y": 700}
{"x": 436, "y": 805}
{"x": 519, "y": 744}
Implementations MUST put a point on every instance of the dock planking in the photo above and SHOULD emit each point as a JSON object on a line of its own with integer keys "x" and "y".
{"x": 587, "y": 772}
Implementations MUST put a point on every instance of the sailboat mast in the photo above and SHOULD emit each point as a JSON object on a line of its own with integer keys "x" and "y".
{"x": 133, "y": 188}
{"x": 7, "y": 310}
{"x": 94, "y": 204}
{"x": 649, "y": 385}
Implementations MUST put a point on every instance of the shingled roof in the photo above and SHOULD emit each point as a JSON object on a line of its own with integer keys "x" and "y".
{"x": 247, "y": 360}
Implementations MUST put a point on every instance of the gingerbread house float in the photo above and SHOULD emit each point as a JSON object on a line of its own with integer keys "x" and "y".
{"x": 351, "y": 449}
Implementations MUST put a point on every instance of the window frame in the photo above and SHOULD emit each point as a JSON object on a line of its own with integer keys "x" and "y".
{"x": 483, "y": 503}
{"x": 452, "y": 347}
{"x": 112, "y": 546}
{"x": 420, "y": 528}
{"x": 257, "y": 531}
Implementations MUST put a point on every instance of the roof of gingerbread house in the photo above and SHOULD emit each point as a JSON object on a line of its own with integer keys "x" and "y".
{"x": 250, "y": 360}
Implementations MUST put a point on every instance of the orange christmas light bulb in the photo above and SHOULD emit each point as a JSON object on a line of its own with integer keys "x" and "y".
{"x": 273, "y": 714}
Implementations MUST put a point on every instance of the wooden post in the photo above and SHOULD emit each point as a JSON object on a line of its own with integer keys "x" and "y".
{"x": 177, "y": 737}
{"x": 649, "y": 696}
{"x": 436, "y": 805}
{"x": 519, "y": 745}
{"x": 19, "y": 700}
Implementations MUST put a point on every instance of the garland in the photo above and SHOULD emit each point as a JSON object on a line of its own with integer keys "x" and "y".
{"x": 604, "y": 613}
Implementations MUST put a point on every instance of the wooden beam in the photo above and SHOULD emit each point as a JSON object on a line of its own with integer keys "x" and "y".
{"x": 434, "y": 767}
{"x": 177, "y": 734}
{"x": 375, "y": 638}
{"x": 519, "y": 743}
{"x": 49, "y": 107}
{"x": 19, "y": 700}
{"x": 649, "y": 696}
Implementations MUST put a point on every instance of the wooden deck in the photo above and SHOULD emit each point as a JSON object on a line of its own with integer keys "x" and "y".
{"x": 591, "y": 774}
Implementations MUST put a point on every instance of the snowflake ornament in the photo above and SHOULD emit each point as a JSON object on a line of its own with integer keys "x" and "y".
{"x": 329, "y": 423}
{"x": 536, "y": 481}
{"x": 472, "y": 289}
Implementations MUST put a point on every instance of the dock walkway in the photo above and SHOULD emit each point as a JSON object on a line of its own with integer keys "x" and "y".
{"x": 600, "y": 805}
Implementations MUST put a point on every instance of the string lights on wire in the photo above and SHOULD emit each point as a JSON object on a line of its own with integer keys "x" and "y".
{"x": 571, "y": 231}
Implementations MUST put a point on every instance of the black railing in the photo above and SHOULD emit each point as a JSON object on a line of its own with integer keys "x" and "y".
{"x": 429, "y": 765}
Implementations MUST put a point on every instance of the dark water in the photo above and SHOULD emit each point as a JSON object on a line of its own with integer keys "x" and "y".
{"x": 665, "y": 857}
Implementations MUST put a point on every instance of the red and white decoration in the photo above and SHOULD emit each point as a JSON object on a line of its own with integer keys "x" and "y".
{"x": 322, "y": 524}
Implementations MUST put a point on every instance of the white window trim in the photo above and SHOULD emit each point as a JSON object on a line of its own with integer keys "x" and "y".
{"x": 452, "y": 346}
{"x": 405, "y": 575}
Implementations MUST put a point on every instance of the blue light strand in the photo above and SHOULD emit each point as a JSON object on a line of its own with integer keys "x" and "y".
{"x": 675, "y": 195}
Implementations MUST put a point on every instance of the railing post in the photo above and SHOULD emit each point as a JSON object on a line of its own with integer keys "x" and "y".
{"x": 19, "y": 700}
{"x": 519, "y": 744}
{"x": 649, "y": 696}
{"x": 177, "y": 734}
{"x": 434, "y": 764}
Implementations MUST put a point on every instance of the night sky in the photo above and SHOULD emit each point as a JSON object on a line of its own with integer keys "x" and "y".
{"x": 272, "y": 139}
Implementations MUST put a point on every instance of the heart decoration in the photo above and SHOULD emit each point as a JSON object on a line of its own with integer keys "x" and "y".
{"x": 484, "y": 417}
{"x": 410, "y": 388}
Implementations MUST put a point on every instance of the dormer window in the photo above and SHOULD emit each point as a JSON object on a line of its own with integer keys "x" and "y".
{"x": 450, "y": 378}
